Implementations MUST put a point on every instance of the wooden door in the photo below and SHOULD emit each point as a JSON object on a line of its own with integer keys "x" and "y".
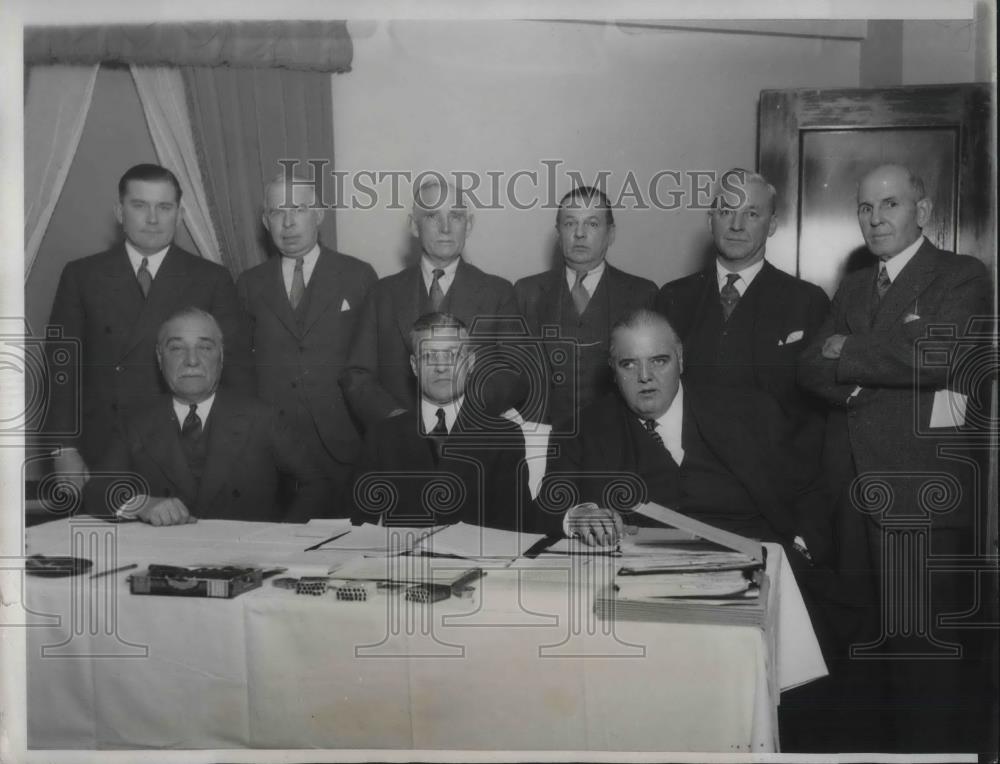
{"x": 814, "y": 146}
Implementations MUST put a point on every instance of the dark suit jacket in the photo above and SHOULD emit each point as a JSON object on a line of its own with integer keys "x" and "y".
{"x": 249, "y": 448}
{"x": 540, "y": 301}
{"x": 481, "y": 470}
{"x": 298, "y": 366}
{"x": 885, "y": 429}
{"x": 98, "y": 304}
{"x": 378, "y": 378}
{"x": 783, "y": 305}
{"x": 742, "y": 429}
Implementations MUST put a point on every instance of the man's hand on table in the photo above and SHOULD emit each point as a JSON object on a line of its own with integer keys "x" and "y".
{"x": 593, "y": 525}
{"x": 157, "y": 511}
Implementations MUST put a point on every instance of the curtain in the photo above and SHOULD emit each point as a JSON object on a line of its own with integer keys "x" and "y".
{"x": 55, "y": 111}
{"x": 323, "y": 46}
{"x": 161, "y": 90}
{"x": 244, "y": 121}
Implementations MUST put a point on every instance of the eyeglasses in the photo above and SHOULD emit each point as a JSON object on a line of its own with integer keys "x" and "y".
{"x": 443, "y": 357}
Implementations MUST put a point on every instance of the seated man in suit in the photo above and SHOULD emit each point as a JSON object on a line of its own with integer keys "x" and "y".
{"x": 443, "y": 461}
{"x": 377, "y": 381}
{"x": 584, "y": 296}
{"x": 721, "y": 459}
{"x": 200, "y": 452}
{"x": 743, "y": 322}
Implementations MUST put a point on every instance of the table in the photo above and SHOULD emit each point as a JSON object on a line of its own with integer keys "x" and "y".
{"x": 521, "y": 665}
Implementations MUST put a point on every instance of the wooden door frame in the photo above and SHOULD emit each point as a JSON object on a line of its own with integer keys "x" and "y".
{"x": 785, "y": 114}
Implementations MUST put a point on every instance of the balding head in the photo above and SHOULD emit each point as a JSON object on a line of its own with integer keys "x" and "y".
{"x": 892, "y": 209}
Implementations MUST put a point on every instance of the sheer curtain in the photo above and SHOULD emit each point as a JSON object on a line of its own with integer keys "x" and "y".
{"x": 55, "y": 111}
{"x": 244, "y": 121}
{"x": 161, "y": 90}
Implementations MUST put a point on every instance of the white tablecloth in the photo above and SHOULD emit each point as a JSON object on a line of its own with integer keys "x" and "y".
{"x": 521, "y": 665}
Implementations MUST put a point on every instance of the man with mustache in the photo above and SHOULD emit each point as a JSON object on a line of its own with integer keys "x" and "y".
{"x": 201, "y": 452}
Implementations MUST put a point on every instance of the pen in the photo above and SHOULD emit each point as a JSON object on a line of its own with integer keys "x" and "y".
{"x": 115, "y": 570}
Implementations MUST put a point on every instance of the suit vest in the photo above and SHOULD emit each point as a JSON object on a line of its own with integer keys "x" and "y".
{"x": 718, "y": 352}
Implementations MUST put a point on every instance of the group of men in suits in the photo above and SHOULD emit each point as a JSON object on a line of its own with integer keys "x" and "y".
{"x": 786, "y": 401}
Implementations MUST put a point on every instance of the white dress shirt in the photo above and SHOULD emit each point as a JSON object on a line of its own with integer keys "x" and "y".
{"x": 895, "y": 264}
{"x": 429, "y": 409}
{"x": 182, "y": 409}
{"x": 427, "y": 269}
{"x": 670, "y": 425}
{"x": 746, "y": 276}
{"x": 288, "y": 268}
{"x": 153, "y": 262}
{"x": 590, "y": 281}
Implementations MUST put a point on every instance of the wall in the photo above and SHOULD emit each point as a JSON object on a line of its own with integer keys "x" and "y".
{"x": 501, "y": 96}
{"x": 114, "y": 138}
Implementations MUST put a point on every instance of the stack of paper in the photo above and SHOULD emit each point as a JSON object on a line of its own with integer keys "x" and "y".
{"x": 406, "y": 569}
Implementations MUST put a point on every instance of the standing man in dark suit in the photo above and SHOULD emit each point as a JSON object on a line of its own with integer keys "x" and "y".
{"x": 378, "y": 381}
{"x": 440, "y": 462}
{"x": 892, "y": 409}
{"x": 200, "y": 452}
{"x": 584, "y": 296}
{"x": 114, "y": 302}
{"x": 743, "y": 322}
{"x": 302, "y": 308}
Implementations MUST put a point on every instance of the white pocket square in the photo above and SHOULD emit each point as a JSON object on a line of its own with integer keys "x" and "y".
{"x": 345, "y": 305}
{"x": 910, "y": 317}
{"x": 792, "y": 337}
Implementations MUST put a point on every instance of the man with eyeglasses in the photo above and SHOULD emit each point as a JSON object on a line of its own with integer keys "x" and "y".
{"x": 445, "y": 460}
{"x": 377, "y": 381}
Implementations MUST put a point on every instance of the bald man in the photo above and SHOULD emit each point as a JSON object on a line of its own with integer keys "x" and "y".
{"x": 893, "y": 406}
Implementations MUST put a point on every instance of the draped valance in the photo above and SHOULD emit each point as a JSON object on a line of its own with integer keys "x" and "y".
{"x": 322, "y": 46}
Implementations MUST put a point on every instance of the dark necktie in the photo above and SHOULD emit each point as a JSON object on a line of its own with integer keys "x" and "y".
{"x": 298, "y": 289}
{"x": 882, "y": 283}
{"x": 145, "y": 277}
{"x": 438, "y": 434}
{"x": 651, "y": 425}
{"x": 437, "y": 297}
{"x": 729, "y": 295}
{"x": 579, "y": 293}
{"x": 191, "y": 428}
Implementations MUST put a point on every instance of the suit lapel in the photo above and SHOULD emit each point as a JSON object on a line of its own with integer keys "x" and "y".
{"x": 227, "y": 433}
{"x": 166, "y": 294}
{"x": 859, "y": 292}
{"x": 465, "y": 292}
{"x": 123, "y": 291}
{"x": 406, "y": 300}
{"x": 324, "y": 288}
{"x": 161, "y": 441}
{"x": 550, "y": 298}
{"x": 915, "y": 277}
{"x": 277, "y": 298}
{"x": 770, "y": 313}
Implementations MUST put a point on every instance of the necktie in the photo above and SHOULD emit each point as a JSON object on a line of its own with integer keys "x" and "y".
{"x": 145, "y": 277}
{"x": 651, "y": 425}
{"x": 882, "y": 283}
{"x": 579, "y": 293}
{"x": 437, "y": 297}
{"x": 729, "y": 294}
{"x": 438, "y": 435}
{"x": 191, "y": 429}
{"x": 298, "y": 289}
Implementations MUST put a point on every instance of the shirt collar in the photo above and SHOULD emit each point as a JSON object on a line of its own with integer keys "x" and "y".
{"x": 182, "y": 408}
{"x": 670, "y": 426}
{"x": 746, "y": 276}
{"x": 428, "y": 413}
{"x": 153, "y": 261}
{"x": 895, "y": 264}
{"x": 590, "y": 281}
{"x": 308, "y": 263}
{"x": 427, "y": 269}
